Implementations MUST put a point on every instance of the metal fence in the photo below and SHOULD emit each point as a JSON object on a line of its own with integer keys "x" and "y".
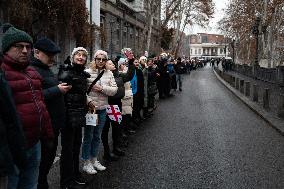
{"x": 265, "y": 74}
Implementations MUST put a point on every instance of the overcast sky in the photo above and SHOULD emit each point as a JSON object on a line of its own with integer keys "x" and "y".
{"x": 219, "y": 12}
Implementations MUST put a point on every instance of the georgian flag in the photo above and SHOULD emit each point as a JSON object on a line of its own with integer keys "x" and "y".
{"x": 114, "y": 113}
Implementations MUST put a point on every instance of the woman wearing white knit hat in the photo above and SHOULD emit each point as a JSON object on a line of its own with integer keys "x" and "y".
{"x": 75, "y": 102}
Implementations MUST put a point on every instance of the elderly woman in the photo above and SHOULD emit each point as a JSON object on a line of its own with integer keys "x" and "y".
{"x": 97, "y": 100}
{"x": 72, "y": 73}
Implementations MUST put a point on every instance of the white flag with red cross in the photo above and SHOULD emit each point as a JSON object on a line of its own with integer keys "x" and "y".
{"x": 114, "y": 113}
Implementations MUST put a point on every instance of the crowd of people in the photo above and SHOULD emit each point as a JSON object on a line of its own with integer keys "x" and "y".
{"x": 37, "y": 106}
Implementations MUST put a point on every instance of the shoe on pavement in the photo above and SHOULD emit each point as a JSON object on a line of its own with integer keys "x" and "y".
{"x": 110, "y": 157}
{"x": 131, "y": 131}
{"x": 88, "y": 168}
{"x": 79, "y": 179}
{"x": 73, "y": 185}
{"x": 118, "y": 152}
{"x": 98, "y": 166}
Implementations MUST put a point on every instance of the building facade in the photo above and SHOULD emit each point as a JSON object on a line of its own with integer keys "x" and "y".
{"x": 123, "y": 24}
{"x": 207, "y": 46}
{"x": 117, "y": 24}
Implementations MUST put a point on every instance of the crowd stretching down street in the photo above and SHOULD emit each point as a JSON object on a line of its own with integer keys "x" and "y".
{"x": 41, "y": 106}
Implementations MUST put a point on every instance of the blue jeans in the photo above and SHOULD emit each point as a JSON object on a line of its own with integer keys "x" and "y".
{"x": 92, "y": 137}
{"x": 27, "y": 178}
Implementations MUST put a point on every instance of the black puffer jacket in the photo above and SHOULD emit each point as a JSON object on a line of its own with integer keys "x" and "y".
{"x": 53, "y": 97}
{"x": 75, "y": 98}
{"x": 12, "y": 141}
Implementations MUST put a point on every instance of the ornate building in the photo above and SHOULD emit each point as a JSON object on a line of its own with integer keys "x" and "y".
{"x": 207, "y": 46}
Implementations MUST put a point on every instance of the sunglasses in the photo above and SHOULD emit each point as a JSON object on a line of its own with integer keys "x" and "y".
{"x": 101, "y": 59}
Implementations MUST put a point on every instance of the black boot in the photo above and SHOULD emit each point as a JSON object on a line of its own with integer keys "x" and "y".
{"x": 118, "y": 151}
{"x": 108, "y": 156}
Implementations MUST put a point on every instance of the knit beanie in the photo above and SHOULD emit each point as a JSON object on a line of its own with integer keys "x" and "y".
{"x": 14, "y": 35}
{"x": 121, "y": 61}
{"x": 6, "y": 26}
{"x": 75, "y": 50}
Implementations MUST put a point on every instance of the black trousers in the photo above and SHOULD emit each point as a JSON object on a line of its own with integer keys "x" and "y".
{"x": 71, "y": 140}
{"x": 138, "y": 101}
{"x": 116, "y": 134}
{"x": 47, "y": 158}
{"x": 151, "y": 100}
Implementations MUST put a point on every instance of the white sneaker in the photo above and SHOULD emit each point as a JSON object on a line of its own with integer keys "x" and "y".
{"x": 88, "y": 168}
{"x": 97, "y": 165}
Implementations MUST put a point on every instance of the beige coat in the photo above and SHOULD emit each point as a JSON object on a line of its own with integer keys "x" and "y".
{"x": 109, "y": 88}
{"x": 127, "y": 101}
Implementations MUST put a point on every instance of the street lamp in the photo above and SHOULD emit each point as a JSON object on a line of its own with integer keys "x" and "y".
{"x": 111, "y": 22}
{"x": 256, "y": 32}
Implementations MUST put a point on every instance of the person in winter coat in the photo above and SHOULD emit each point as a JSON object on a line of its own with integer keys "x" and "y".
{"x": 152, "y": 86}
{"x": 75, "y": 103}
{"x": 120, "y": 79}
{"x": 180, "y": 69}
{"x": 127, "y": 100}
{"x": 26, "y": 86}
{"x": 138, "y": 98}
{"x": 164, "y": 81}
{"x": 97, "y": 101}
{"x": 144, "y": 66}
{"x": 44, "y": 53}
{"x": 12, "y": 140}
{"x": 172, "y": 74}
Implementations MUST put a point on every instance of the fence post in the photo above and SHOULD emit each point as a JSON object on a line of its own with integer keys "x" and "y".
{"x": 280, "y": 112}
{"x": 247, "y": 88}
{"x": 242, "y": 85}
{"x": 266, "y": 94}
{"x": 255, "y": 93}
{"x": 237, "y": 84}
{"x": 233, "y": 81}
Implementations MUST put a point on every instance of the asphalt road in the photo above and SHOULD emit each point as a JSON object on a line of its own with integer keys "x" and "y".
{"x": 203, "y": 137}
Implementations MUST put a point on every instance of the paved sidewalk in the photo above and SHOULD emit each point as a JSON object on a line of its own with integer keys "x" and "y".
{"x": 270, "y": 116}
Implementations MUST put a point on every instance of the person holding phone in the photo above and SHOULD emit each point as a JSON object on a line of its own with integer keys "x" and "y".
{"x": 75, "y": 99}
{"x": 45, "y": 51}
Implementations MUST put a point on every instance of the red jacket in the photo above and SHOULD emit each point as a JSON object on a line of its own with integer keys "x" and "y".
{"x": 27, "y": 92}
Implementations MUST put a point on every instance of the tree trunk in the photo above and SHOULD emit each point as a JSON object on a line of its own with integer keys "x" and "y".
{"x": 149, "y": 34}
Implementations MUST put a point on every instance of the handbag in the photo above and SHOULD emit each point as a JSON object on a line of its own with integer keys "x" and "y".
{"x": 92, "y": 118}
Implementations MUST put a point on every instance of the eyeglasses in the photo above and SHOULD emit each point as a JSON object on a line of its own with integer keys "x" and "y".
{"x": 21, "y": 47}
{"x": 101, "y": 59}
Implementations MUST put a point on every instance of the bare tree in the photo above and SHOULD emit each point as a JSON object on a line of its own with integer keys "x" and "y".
{"x": 184, "y": 13}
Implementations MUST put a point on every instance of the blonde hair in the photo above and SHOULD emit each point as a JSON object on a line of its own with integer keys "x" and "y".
{"x": 93, "y": 65}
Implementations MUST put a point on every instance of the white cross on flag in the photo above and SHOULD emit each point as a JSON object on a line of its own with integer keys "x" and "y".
{"x": 114, "y": 113}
